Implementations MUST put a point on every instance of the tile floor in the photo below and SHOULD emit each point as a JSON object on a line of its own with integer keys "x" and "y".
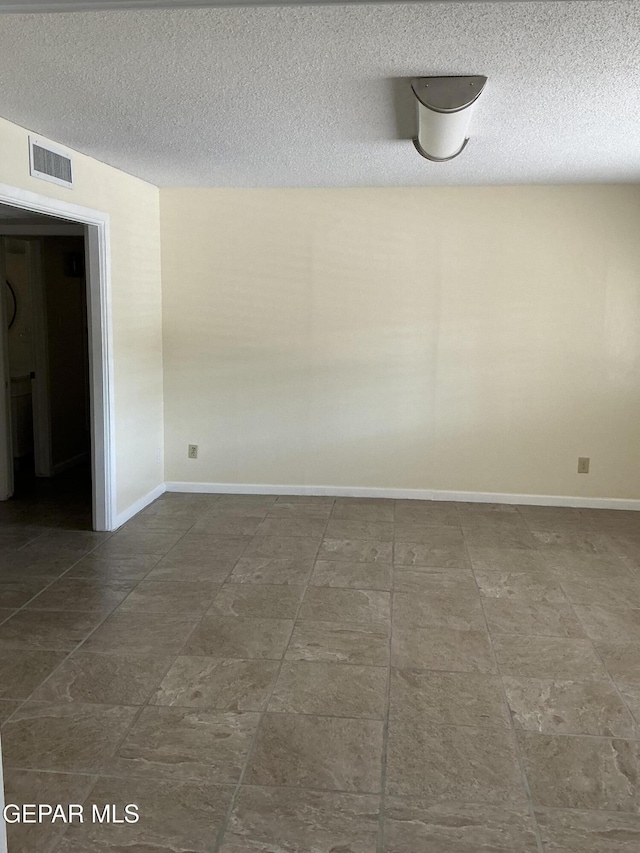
{"x": 320, "y": 675}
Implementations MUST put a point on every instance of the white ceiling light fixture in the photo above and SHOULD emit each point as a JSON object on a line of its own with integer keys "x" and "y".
{"x": 445, "y": 106}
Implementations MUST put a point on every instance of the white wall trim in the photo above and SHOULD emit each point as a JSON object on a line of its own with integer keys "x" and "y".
{"x": 406, "y": 494}
{"x": 139, "y": 505}
{"x": 98, "y": 247}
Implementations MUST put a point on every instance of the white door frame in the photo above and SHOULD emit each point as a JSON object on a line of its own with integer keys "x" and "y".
{"x": 98, "y": 253}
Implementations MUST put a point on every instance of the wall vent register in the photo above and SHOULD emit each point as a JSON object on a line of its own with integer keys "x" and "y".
{"x": 50, "y": 163}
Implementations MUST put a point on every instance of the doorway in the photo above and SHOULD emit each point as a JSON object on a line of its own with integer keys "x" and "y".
{"x": 46, "y": 315}
{"x": 56, "y": 412}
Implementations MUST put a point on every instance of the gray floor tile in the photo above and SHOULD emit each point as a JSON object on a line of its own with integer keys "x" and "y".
{"x": 415, "y": 824}
{"x": 339, "y": 642}
{"x": 196, "y": 744}
{"x": 344, "y": 528}
{"x": 351, "y": 575}
{"x": 588, "y": 831}
{"x": 356, "y": 550}
{"x": 584, "y": 541}
{"x": 7, "y": 707}
{"x": 622, "y": 660}
{"x": 464, "y": 763}
{"x": 125, "y": 543}
{"x": 609, "y": 625}
{"x": 326, "y": 753}
{"x": 69, "y": 737}
{"x": 266, "y": 819}
{"x": 299, "y": 510}
{"x": 497, "y": 559}
{"x": 547, "y": 657}
{"x": 47, "y": 629}
{"x": 289, "y": 547}
{"x": 22, "y": 670}
{"x": 328, "y": 604}
{"x": 531, "y": 586}
{"x": 111, "y": 679}
{"x": 490, "y": 537}
{"x": 329, "y": 689}
{"x": 192, "y": 569}
{"x": 442, "y": 648}
{"x": 427, "y": 512}
{"x": 431, "y": 535}
{"x": 221, "y": 684}
{"x": 568, "y": 707}
{"x": 199, "y": 549}
{"x": 82, "y": 594}
{"x": 448, "y": 698}
{"x": 447, "y": 610}
{"x": 32, "y": 786}
{"x": 17, "y": 593}
{"x": 296, "y": 593}
{"x": 308, "y": 526}
{"x": 115, "y": 568}
{"x": 460, "y": 583}
{"x": 141, "y": 633}
{"x": 223, "y": 525}
{"x": 573, "y": 772}
{"x": 176, "y": 599}
{"x": 420, "y": 554}
{"x": 237, "y": 637}
{"x": 563, "y": 562}
{"x": 622, "y": 592}
{"x": 631, "y": 695}
{"x": 175, "y": 817}
{"x": 364, "y": 509}
{"x": 258, "y": 601}
{"x": 272, "y": 570}
{"x": 520, "y": 616}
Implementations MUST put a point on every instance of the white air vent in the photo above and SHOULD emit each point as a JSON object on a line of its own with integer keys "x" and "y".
{"x": 50, "y": 163}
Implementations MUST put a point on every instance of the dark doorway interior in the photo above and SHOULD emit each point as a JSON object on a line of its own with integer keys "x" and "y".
{"x": 49, "y": 365}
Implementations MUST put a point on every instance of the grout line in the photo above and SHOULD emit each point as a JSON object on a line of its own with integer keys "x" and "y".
{"x": 225, "y": 822}
{"x": 518, "y": 751}
{"x": 106, "y": 616}
{"x": 24, "y": 606}
{"x": 348, "y": 792}
{"x": 140, "y": 708}
{"x": 385, "y": 730}
{"x": 307, "y": 585}
{"x": 612, "y": 680}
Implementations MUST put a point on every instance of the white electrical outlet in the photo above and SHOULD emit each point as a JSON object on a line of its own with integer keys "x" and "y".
{"x": 583, "y": 465}
{"x": 193, "y": 451}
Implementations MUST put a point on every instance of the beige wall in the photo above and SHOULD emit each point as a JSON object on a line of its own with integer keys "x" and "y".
{"x": 473, "y": 339}
{"x": 136, "y": 301}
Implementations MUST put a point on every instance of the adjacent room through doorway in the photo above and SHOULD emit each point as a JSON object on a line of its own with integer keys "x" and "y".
{"x": 47, "y": 341}
{"x": 46, "y": 428}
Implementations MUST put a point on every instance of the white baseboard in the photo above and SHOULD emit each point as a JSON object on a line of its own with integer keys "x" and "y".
{"x": 139, "y": 505}
{"x": 406, "y": 494}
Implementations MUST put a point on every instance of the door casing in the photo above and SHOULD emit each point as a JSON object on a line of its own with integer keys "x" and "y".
{"x": 100, "y": 333}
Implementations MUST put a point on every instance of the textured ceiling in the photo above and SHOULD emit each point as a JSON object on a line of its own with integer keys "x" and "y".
{"x": 319, "y": 96}
{"x": 75, "y": 5}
